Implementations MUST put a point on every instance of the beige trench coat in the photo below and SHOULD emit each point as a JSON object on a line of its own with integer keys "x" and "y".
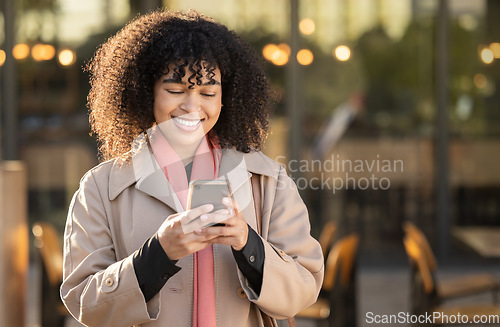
{"x": 118, "y": 207}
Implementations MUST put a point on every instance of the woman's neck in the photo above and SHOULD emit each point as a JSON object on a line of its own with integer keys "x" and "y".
{"x": 186, "y": 152}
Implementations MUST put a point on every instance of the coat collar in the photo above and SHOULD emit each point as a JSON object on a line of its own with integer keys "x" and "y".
{"x": 143, "y": 170}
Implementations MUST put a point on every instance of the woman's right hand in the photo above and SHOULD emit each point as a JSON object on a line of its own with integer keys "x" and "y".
{"x": 178, "y": 244}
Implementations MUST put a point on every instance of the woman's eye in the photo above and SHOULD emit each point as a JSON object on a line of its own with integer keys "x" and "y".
{"x": 208, "y": 94}
{"x": 174, "y": 92}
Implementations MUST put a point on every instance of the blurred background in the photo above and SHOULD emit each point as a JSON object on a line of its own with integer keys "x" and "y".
{"x": 386, "y": 112}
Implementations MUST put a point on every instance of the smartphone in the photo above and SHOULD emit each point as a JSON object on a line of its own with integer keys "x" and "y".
{"x": 208, "y": 192}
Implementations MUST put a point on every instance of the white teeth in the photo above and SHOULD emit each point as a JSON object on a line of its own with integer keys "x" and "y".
{"x": 184, "y": 122}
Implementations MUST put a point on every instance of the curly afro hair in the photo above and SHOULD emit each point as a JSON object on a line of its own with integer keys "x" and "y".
{"x": 125, "y": 68}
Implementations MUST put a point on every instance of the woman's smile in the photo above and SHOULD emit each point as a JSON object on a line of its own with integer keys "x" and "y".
{"x": 187, "y": 125}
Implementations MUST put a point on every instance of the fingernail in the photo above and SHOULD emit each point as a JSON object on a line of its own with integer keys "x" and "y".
{"x": 203, "y": 217}
{"x": 224, "y": 212}
{"x": 226, "y": 201}
{"x": 198, "y": 231}
{"x": 209, "y": 207}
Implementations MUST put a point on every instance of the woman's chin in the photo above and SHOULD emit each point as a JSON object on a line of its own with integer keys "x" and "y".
{"x": 185, "y": 139}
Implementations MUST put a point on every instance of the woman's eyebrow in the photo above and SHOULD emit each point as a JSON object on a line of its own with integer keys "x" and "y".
{"x": 212, "y": 82}
{"x": 173, "y": 80}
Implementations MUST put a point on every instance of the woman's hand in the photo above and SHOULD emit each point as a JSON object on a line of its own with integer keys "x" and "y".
{"x": 178, "y": 244}
{"x": 234, "y": 232}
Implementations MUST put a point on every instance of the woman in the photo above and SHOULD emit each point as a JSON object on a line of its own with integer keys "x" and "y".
{"x": 175, "y": 98}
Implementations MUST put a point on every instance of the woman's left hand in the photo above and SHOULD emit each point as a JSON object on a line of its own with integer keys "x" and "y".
{"x": 235, "y": 229}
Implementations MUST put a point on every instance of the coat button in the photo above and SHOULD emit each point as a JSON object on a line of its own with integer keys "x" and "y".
{"x": 251, "y": 258}
{"x": 241, "y": 293}
{"x": 109, "y": 282}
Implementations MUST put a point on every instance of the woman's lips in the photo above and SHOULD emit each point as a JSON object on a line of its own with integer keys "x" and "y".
{"x": 187, "y": 125}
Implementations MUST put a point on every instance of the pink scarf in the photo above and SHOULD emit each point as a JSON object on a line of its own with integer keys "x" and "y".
{"x": 205, "y": 166}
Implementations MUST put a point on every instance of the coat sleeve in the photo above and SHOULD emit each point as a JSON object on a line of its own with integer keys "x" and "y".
{"x": 98, "y": 289}
{"x": 293, "y": 266}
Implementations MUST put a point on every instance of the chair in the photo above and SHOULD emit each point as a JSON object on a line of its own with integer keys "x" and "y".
{"x": 337, "y": 304}
{"x": 326, "y": 237}
{"x": 456, "y": 287}
{"x": 423, "y": 292}
{"x": 51, "y": 257}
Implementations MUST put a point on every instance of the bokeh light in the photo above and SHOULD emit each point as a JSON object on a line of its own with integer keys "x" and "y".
{"x": 480, "y": 81}
{"x": 280, "y": 58}
{"x": 2, "y": 57}
{"x": 21, "y": 51}
{"x": 41, "y": 52}
{"x": 285, "y": 47}
{"x": 307, "y": 26}
{"x": 66, "y": 57}
{"x": 277, "y": 54}
{"x": 305, "y": 57}
{"x": 487, "y": 56}
{"x": 37, "y": 231}
{"x": 495, "y": 48}
{"x": 268, "y": 50}
{"x": 342, "y": 53}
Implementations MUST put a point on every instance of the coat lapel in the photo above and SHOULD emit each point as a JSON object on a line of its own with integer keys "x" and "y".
{"x": 237, "y": 168}
{"x": 143, "y": 170}
{"x": 234, "y": 169}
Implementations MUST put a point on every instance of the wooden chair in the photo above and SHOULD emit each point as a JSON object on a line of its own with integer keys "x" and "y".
{"x": 337, "y": 305}
{"x": 326, "y": 237}
{"x": 423, "y": 292}
{"x": 51, "y": 258}
{"x": 456, "y": 287}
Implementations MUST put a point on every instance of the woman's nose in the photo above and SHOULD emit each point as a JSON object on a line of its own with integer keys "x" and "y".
{"x": 191, "y": 102}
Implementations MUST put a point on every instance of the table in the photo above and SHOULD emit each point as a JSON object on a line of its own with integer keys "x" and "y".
{"x": 484, "y": 240}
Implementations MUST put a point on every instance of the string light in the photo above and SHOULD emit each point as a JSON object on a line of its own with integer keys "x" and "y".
{"x": 495, "y": 48}
{"x": 307, "y": 26}
{"x": 66, "y": 57}
{"x": 21, "y": 51}
{"x": 305, "y": 57}
{"x": 41, "y": 52}
{"x": 277, "y": 54}
{"x": 2, "y": 57}
{"x": 342, "y": 53}
{"x": 487, "y": 56}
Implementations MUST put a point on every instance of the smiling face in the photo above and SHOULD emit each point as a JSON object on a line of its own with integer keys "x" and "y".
{"x": 186, "y": 112}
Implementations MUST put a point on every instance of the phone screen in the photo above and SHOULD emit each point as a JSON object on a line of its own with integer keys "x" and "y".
{"x": 208, "y": 192}
{"x": 203, "y": 192}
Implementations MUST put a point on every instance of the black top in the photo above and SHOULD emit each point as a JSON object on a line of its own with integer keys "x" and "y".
{"x": 153, "y": 267}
